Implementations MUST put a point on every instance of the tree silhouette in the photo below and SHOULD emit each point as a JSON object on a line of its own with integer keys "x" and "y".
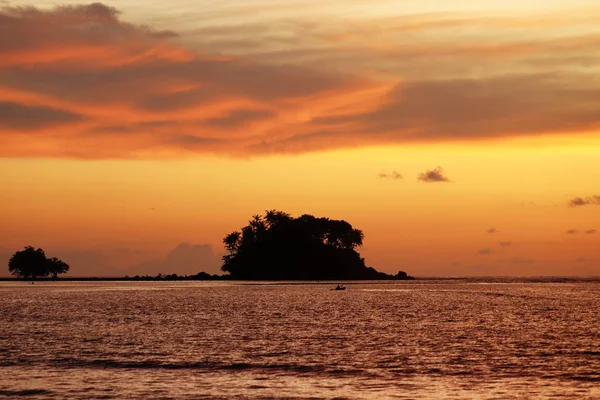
{"x": 56, "y": 266}
{"x": 279, "y": 247}
{"x": 31, "y": 263}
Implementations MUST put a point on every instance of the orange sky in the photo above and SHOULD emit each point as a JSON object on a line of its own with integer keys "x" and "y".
{"x": 134, "y": 138}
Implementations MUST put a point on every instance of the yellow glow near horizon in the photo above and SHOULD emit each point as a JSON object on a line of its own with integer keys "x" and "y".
{"x": 518, "y": 188}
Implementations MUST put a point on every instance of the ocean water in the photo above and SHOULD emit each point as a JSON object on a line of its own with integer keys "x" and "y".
{"x": 193, "y": 340}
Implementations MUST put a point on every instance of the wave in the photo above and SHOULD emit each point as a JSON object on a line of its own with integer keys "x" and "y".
{"x": 331, "y": 370}
{"x": 205, "y": 365}
{"x": 24, "y": 393}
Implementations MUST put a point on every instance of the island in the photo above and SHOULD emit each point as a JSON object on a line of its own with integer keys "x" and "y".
{"x": 277, "y": 246}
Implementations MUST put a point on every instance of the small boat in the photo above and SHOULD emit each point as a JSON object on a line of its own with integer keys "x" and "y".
{"x": 339, "y": 287}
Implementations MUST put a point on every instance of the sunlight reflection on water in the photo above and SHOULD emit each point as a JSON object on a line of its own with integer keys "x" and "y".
{"x": 418, "y": 340}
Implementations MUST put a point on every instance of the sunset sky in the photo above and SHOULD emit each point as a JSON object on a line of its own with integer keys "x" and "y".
{"x": 462, "y": 137}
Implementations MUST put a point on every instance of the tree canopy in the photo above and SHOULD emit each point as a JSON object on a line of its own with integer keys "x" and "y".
{"x": 277, "y": 246}
{"x": 31, "y": 263}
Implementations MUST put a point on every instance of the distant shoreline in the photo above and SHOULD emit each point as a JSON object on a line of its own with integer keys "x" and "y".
{"x": 482, "y": 279}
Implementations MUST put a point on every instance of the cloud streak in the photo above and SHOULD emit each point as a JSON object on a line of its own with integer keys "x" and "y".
{"x": 22, "y": 117}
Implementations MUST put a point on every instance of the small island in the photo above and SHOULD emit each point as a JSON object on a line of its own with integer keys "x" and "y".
{"x": 277, "y": 246}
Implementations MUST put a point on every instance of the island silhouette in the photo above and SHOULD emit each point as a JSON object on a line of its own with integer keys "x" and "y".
{"x": 277, "y": 246}
{"x": 273, "y": 247}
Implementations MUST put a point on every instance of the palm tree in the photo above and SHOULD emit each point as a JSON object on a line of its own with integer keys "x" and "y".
{"x": 232, "y": 242}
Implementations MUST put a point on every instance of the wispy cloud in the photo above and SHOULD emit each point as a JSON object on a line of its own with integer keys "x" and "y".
{"x": 591, "y": 231}
{"x": 14, "y": 116}
{"x": 584, "y": 201}
{"x": 572, "y": 231}
{"x": 506, "y": 244}
{"x": 485, "y": 252}
{"x": 391, "y": 175}
{"x": 491, "y": 230}
{"x": 433, "y": 175}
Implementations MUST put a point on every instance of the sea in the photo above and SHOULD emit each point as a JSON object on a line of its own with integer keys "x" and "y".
{"x": 422, "y": 339}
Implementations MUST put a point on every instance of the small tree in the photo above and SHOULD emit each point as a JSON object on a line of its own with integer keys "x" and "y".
{"x": 31, "y": 263}
{"x": 56, "y": 266}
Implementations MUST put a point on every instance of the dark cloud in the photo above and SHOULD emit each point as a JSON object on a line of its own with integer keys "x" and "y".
{"x": 492, "y": 230}
{"x": 584, "y": 260}
{"x": 485, "y": 252}
{"x": 21, "y": 117}
{"x": 584, "y": 201}
{"x": 506, "y": 244}
{"x": 239, "y": 117}
{"x": 434, "y": 175}
{"x": 96, "y": 23}
{"x": 392, "y": 175}
{"x": 591, "y": 231}
{"x": 489, "y": 107}
{"x": 572, "y": 231}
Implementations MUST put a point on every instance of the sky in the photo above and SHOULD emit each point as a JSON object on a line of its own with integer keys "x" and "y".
{"x": 462, "y": 137}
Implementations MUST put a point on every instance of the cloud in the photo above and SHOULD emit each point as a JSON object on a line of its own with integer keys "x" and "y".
{"x": 434, "y": 175}
{"x": 522, "y": 260}
{"x": 591, "y": 231}
{"x": 510, "y": 105}
{"x": 21, "y": 117}
{"x": 485, "y": 252}
{"x": 185, "y": 259}
{"x": 117, "y": 89}
{"x": 491, "y": 230}
{"x": 393, "y": 175}
{"x": 572, "y": 232}
{"x": 584, "y": 201}
{"x": 98, "y": 86}
{"x": 506, "y": 244}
